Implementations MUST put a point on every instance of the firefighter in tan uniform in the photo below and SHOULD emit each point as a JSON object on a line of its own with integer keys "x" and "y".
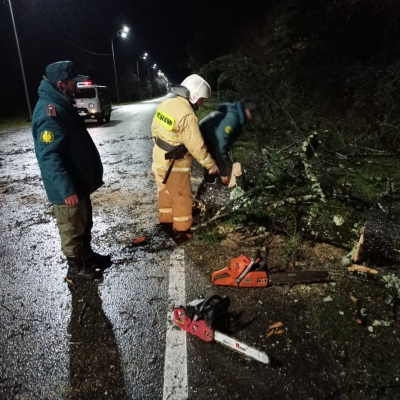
{"x": 177, "y": 137}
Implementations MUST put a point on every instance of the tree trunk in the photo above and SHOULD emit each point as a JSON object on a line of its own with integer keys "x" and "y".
{"x": 381, "y": 243}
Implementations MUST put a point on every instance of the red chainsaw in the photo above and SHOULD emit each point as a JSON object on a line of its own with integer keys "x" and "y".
{"x": 203, "y": 318}
{"x": 245, "y": 272}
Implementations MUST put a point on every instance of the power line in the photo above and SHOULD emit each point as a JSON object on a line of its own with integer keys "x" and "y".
{"x": 87, "y": 51}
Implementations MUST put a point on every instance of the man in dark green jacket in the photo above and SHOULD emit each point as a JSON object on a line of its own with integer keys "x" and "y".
{"x": 70, "y": 166}
{"x": 222, "y": 128}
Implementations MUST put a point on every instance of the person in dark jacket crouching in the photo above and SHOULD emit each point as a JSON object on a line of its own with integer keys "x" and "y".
{"x": 221, "y": 129}
{"x": 70, "y": 166}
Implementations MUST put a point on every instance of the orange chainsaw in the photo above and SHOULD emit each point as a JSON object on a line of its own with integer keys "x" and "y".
{"x": 245, "y": 272}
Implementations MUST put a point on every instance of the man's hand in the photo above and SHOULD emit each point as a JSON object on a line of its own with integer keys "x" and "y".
{"x": 214, "y": 170}
{"x": 72, "y": 200}
{"x": 225, "y": 180}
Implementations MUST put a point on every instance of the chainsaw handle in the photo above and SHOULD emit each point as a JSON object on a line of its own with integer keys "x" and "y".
{"x": 263, "y": 264}
{"x": 208, "y": 301}
{"x": 250, "y": 267}
{"x": 256, "y": 255}
{"x": 253, "y": 261}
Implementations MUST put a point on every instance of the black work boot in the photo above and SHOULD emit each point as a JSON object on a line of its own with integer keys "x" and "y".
{"x": 79, "y": 268}
{"x": 102, "y": 262}
{"x": 180, "y": 237}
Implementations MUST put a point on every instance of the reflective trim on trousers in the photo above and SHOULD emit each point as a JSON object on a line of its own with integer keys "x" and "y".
{"x": 183, "y": 219}
{"x": 165, "y": 210}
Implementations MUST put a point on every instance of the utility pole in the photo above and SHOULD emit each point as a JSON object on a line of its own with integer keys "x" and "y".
{"x": 22, "y": 64}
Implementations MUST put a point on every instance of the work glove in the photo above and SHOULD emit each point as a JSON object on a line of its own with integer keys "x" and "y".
{"x": 214, "y": 170}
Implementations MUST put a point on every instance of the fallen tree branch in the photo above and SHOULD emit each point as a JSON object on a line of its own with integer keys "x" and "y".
{"x": 270, "y": 207}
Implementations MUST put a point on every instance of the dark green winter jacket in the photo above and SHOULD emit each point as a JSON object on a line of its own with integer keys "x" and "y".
{"x": 220, "y": 129}
{"x": 68, "y": 158}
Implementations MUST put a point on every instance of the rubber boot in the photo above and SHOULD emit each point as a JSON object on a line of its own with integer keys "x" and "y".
{"x": 80, "y": 269}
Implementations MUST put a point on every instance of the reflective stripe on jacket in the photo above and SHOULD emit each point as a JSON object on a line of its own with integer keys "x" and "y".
{"x": 176, "y": 123}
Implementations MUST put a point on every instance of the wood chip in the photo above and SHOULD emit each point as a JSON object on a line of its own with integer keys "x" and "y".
{"x": 358, "y": 320}
{"x": 361, "y": 268}
{"x": 353, "y": 298}
{"x": 274, "y": 332}
{"x": 276, "y": 325}
{"x": 140, "y": 240}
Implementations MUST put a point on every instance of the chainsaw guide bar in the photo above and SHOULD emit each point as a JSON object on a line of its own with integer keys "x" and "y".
{"x": 299, "y": 277}
{"x": 202, "y": 317}
{"x": 245, "y": 272}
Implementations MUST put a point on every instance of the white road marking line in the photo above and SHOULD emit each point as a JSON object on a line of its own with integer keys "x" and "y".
{"x": 175, "y": 369}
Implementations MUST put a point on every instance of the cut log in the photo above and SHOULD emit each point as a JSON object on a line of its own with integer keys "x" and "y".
{"x": 361, "y": 268}
{"x": 381, "y": 242}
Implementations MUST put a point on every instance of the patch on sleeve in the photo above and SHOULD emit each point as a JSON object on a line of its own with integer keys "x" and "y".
{"x": 51, "y": 110}
{"x": 228, "y": 129}
{"x": 46, "y": 137}
{"x": 165, "y": 120}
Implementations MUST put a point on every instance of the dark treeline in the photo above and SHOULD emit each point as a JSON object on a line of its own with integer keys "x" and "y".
{"x": 319, "y": 64}
{"x": 327, "y": 74}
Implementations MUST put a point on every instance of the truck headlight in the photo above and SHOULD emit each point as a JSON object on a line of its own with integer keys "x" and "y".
{"x": 91, "y": 105}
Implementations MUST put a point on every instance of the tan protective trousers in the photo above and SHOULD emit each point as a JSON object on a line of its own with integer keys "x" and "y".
{"x": 174, "y": 199}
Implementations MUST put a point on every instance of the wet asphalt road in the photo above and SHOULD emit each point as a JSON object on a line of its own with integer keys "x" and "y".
{"x": 108, "y": 338}
{"x": 104, "y": 339}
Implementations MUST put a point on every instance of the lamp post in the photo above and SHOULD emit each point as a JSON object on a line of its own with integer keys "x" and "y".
{"x": 143, "y": 57}
{"x": 154, "y": 79}
{"x": 121, "y": 33}
{"x": 22, "y": 65}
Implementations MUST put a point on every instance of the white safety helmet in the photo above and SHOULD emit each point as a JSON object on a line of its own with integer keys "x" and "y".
{"x": 197, "y": 87}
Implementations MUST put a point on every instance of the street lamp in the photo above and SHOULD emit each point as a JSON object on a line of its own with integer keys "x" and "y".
{"x": 154, "y": 67}
{"x": 22, "y": 65}
{"x": 143, "y": 57}
{"x": 121, "y": 33}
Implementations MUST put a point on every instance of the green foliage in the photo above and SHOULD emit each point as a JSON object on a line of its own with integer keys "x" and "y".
{"x": 210, "y": 237}
{"x": 292, "y": 247}
{"x": 328, "y": 86}
{"x": 392, "y": 283}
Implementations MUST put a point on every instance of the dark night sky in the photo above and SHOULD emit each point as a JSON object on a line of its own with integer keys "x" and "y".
{"x": 54, "y": 30}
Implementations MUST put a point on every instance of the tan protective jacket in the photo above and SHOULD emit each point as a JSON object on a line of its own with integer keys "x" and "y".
{"x": 176, "y": 123}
